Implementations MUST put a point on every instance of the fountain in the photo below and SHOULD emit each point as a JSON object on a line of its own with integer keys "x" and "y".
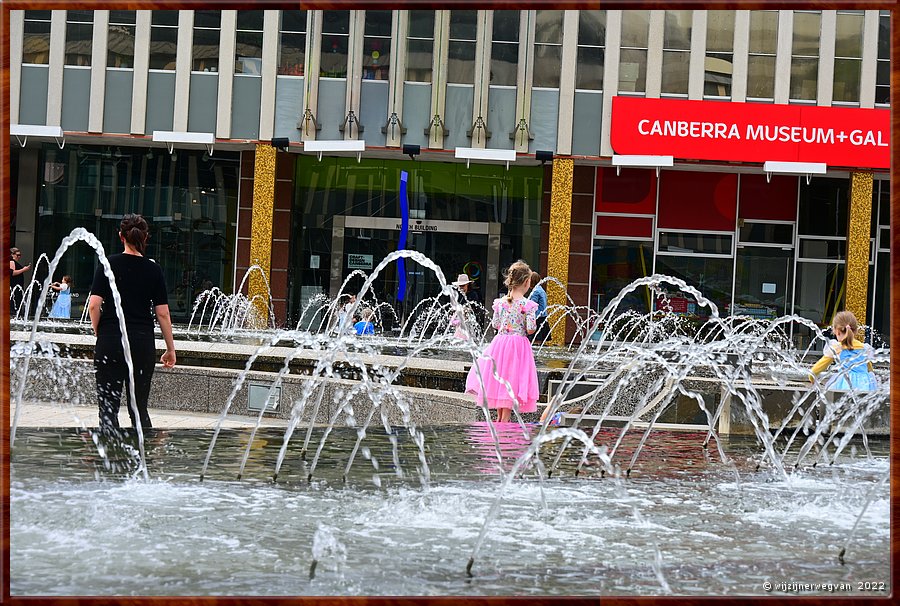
{"x": 692, "y": 459}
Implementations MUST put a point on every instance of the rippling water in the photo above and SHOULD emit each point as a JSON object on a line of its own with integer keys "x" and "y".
{"x": 82, "y": 525}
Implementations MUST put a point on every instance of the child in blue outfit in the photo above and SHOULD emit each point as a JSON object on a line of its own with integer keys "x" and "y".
{"x": 854, "y": 370}
{"x": 62, "y": 307}
{"x": 365, "y": 326}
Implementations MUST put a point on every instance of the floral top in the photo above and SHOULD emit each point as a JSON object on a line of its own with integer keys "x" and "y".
{"x": 516, "y": 318}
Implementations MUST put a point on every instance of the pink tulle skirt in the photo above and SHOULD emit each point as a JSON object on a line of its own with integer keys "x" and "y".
{"x": 514, "y": 364}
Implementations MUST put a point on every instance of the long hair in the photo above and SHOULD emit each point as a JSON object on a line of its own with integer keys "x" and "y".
{"x": 518, "y": 273}
{"x": 135, "y": 230}
{"x": 846, "y": 319}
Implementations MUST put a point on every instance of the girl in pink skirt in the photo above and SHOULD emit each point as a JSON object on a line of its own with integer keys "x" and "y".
{"x": 509, "y": 355}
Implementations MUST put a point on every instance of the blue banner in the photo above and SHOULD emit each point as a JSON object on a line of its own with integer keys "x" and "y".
{"x": 404, "y": 227}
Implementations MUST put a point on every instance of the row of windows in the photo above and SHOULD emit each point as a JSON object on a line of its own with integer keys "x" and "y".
{"x": 462, "y": 34}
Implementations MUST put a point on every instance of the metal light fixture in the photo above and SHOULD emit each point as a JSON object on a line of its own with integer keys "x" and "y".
{"x": 543, "y": 156}
{"x": 475, "y": 153}
{"x": 170, "y": 138}
{"x": 412, "y": 150}
{"x": 794, "y": 168}
{"x": 640, "y": 161}
{"x": 351, "y": 145}
{"x": 281, "y": 143}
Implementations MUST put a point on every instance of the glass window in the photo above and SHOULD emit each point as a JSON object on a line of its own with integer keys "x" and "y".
{"x": 883, "y": 75}
{"x": 805, "y": 55}
{"x": 616, "y": 264}
{"x": 547, "y": 48}
{"x": 676, "y": 58}
{"x": 79, "y": 37}
{"x": 292, "y": 43}
{"x": 377, "y": 45}
{"x": 767, "y": 233}
{"x": 719, "y": 54}
{"x": 763, "y": 282}
{"x": 761, "y": 59}
{"x": 710, "y": 275}
{"x": 848, "y": 56}
{"x": 189, "y": 200}
{"x": 36, "y": 37}
{"x": 248, "y": 43}
{"x": 633, "y": 56}
{"x": 505, "y": 48}
{"x": 120, "y": 44}
{"x": 335, "y": 44}
{"x": 461, "y": 49}
{"x": 591, "y": 43}
{"x": 163, "y": 39}
{"x": 823, "y": 207}
{"x": 205, "y": 52}
{"x": 420, "y": 46}
{"x": 819, "y": 294}
{"x": 696, "y": 243}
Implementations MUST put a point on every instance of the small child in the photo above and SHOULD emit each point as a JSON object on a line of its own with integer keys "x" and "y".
{"x": 365, "y": 326}
{"x": 509, "y": 354}
{"x": 853, "y": 357}
{"x": 62, "y": 307}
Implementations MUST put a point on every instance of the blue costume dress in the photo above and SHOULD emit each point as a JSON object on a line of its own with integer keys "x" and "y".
{"x": 62, "y": 308}
{"x": 852, "y": 369}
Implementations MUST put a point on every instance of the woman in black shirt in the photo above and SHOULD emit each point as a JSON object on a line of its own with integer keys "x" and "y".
{"x": 142, "y": 289}
{"x": 16, "y": 278}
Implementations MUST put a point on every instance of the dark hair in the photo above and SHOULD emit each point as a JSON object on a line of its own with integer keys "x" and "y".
{"x": 135, "y": 230}
{"x": 535, "y": 278}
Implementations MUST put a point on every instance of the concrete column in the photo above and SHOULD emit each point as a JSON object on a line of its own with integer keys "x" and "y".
{"x": 858, "y": 244}
{"x": 226, "y": 75}
{"x": 16, "y": 40}
{"x": 397, "y": 73}
{"x": 567, "y": 83}
{"x": 269, "y": 75}
{"x": 482, "y": 78}
{"x": 558, "y": 241}
{"x": 492, "y": 280}
{"x": 354, "y": 74}
{"x": 825, "y": 85}
{"x": 783, "y": 56}
{"x": 524, "y": 79}
{"x": 610, "y": 76}
{"x": 337, "y": 254}
{"x": 141, "y": 72}
{"x": 183, "y": 57}
{"x": 697, "y": 68}
{"x": 869, "y": 60}
{"x": 306, "y": 122}
{"x": 56, "y": 61}
{"x": 98, "y": 71}
{"x": 437, "y": 134}
{"x": 741, "y": 56}
{"x": 655, "y": 54}
{"x": 261, "y": 230}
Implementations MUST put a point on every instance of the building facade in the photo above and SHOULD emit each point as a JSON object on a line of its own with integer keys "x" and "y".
{"x": 508, "y": 124}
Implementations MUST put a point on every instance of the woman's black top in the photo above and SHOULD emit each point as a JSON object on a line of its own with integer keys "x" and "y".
{"x": 142, "y": 286}
{"x": 17, "y": 280}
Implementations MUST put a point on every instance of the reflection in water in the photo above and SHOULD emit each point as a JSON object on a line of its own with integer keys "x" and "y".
{"x": 80, "y": 528}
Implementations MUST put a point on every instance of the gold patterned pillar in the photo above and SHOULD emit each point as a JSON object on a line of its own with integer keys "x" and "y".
{"x": 858, "y": 244}
{"x": 558, "y": 241}
{"x": 261, "y": 230}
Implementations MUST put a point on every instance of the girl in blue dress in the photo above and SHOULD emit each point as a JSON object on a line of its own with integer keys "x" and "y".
{"x": 854, "y": 366}
{"x": 62, "y": 308}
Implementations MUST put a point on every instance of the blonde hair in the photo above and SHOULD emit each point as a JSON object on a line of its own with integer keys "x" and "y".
{"x": 846, "y": 319}
{"x": 518, "y": 273}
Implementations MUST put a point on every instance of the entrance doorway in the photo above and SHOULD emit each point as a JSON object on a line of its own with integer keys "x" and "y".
{"x": 456, "y": 247}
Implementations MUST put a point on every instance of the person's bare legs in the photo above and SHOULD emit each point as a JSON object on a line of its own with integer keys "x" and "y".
{"x": 503, "y": 415}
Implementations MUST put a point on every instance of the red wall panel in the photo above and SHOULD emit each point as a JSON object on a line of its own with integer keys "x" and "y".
{"x": 632, "y": 191}
{"x": 697, "y": 200}
{"x": 775, "y": 200}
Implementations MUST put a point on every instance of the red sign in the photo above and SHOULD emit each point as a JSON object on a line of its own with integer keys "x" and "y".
{"x": 751, "y": 132}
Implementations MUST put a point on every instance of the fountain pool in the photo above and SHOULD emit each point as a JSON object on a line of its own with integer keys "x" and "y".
{"x": 683, "y": 523}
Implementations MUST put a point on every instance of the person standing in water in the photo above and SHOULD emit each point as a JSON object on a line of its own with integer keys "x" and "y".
{"x": 142, "y": 288}
{"x": 509, "y": 355}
